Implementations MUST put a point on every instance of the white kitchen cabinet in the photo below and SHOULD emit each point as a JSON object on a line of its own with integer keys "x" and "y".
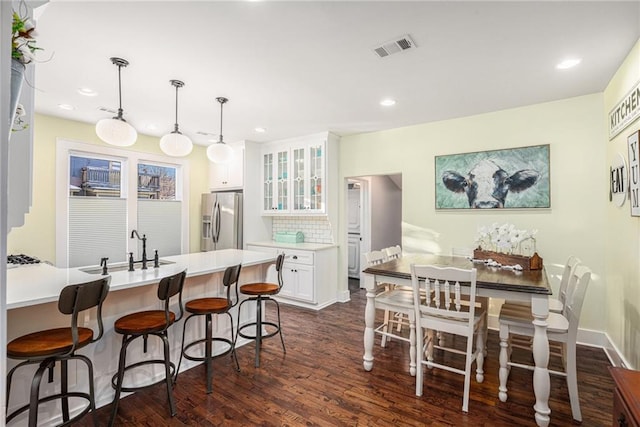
{"x": 228, "y": 176}
{"x": 294, "y": 175}
{"x": 309, "y": 277}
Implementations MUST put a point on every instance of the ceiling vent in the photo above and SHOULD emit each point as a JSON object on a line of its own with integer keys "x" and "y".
{"x": 107, "y": 110}
{"x": 399, "y": 44}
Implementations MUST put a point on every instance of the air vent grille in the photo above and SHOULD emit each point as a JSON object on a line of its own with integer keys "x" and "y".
{"x": 107, "y": 110}
{"x": 396, "y": 45}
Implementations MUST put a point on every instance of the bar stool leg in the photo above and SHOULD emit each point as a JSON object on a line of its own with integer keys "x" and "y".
{"x": 279, "y": 326}
{"x": 258, "y": 330}
{"x": 167, "y": 369}
{"x": 207, "y": 351}
{"x": 35, "y": 388}
{"x": 64, "y": 389}
{"x": 234, "y": 337}
{"x": 116, "y": 397}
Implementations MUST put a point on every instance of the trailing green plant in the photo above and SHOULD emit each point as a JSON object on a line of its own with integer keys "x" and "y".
{"x": 23, "y": 42}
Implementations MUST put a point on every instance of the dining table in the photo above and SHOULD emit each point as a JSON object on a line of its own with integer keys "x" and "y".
{"x": 529, "y": 286}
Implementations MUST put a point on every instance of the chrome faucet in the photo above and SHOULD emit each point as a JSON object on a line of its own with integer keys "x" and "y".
{"x": 144, "y": 260}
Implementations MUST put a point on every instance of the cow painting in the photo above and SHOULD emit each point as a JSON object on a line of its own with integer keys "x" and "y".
{"x": 486, "y": 185}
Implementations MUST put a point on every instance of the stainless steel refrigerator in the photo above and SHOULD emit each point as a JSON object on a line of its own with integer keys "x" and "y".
{"x": 221, "y": 221}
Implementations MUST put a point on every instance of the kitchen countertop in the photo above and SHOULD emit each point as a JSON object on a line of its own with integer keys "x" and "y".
{"x": 302, "y": 246}
{"x": 41, "y": 283}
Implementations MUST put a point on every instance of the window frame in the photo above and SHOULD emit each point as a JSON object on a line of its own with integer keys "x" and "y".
{"x": 129, "y": 188}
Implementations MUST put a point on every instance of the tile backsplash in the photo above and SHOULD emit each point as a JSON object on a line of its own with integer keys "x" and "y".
{"x": 315, "y": 229}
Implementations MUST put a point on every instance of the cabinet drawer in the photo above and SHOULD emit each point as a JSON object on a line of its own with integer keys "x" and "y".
{"x": 298, "y": 257}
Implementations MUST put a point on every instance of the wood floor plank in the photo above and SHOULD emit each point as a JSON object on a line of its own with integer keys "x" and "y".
{"x": 320, "y": 381}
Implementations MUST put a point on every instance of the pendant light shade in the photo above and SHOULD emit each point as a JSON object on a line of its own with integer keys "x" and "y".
{"x": 175, "y": 143}
{"x": 220, "y": 152}
{"x": 117, "y": 131}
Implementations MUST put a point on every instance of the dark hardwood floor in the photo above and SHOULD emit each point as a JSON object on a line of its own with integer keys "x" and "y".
{"x": 320, "y": 381}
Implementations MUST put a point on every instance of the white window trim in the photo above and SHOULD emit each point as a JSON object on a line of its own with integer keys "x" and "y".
{"x": 130, "y": 160}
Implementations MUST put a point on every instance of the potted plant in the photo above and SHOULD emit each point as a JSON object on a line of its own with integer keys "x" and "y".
{"x": 23, "y": 49}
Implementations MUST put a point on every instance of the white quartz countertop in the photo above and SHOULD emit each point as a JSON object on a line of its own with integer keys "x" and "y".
{"x": 302, "y": 246}
{"x": 41, "y": 283}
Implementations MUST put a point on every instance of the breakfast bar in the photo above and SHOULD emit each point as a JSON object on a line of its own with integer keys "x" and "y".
{"x": 33, "y": 290}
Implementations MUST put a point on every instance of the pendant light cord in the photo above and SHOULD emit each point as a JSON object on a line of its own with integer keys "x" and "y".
{"x": 176, "y": 128}
{"x": 119, "y": 91}
{"x": 221, "y": 106}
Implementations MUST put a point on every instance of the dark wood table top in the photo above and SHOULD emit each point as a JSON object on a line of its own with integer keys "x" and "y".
{"x": 532, "y": 281}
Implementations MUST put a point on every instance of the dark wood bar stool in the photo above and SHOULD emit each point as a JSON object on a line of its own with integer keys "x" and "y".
{"x": 207, "y": 307}
{"x": 141, "y": 325}
{"x": 50, "y": 346}
{"x": 260, "y": 292}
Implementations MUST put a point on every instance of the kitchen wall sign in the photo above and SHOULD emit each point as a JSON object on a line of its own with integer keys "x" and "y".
{"x": 618, "y": 180}
{"x": 625, "y": 111}
{"x": 634, "y": 173}
{"x": 513, "y": 178}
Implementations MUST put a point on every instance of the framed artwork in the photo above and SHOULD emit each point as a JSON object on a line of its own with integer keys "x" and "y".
{"x": 634, "y": 180}
{"x": 513, "y": 178}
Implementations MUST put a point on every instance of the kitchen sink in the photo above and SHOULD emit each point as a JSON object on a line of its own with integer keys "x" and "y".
{"x": 123, "y": 266}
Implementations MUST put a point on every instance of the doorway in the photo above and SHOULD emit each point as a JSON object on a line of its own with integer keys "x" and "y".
{"x": 374, "y": 219}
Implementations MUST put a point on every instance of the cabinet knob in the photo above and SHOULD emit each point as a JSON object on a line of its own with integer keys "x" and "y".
{"x": 295, "y": 257}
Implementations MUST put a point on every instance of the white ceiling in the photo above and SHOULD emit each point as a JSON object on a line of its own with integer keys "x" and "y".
{"x": 302, "y": 67}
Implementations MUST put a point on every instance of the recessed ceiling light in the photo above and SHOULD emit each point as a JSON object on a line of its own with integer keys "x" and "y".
{"x": 66, "y": 107}
{"x": 260, "y": 130}
{"x": 388, "y": 102}
{"x": 87, "y": 92}
{"x": 568, "y": 63}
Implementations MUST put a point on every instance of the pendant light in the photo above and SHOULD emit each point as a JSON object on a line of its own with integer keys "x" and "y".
{"x": 117, "y": 131}
{"x": 175, "y": 143}
{"x": 220, "y": 152}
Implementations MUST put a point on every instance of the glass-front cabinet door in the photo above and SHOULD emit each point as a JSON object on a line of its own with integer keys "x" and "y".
{"x": 267, "y": 182}
{"x": 299, "y": 179}
{"x": 275, "y": 181}
{"x": 283, "y": 180}
{"x": 316, "y": 177}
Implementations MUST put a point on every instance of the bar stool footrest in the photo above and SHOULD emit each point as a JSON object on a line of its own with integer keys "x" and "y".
{"x": 203, "y": 341}
{"x": 254, "y": 325}
{"x": 59, "y": 396}
{"x": 172, "y": 370}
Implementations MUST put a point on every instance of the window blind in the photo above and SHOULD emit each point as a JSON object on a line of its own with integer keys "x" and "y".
{"x": 161, "y": 221}
{"x": 97, "y": 228}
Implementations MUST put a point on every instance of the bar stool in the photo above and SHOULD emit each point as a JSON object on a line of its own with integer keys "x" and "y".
{"x": 60, "y": 345}
{"x": 145, "y": 323}
{"x": 260, "y": 292}
{"x": 207, "y": 307}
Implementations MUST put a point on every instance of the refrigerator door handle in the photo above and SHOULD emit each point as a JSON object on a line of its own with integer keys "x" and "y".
{"x": 216, "y": 220}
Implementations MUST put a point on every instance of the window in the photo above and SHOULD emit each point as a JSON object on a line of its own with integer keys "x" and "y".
{"x": 90, "y": 176}
{"x": 105, "y": 193}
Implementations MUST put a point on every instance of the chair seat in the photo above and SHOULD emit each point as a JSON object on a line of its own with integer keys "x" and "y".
{"x": 260, "y": 289}
{"x": 514, "y": 315}
{"x": 143, "y": 322}
{"x": 555, "y": 305}
{"x": 47, "y": 343}
{"x": 208, "y": 306}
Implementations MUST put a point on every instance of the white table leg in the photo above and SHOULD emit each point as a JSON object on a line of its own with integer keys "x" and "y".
{"x": 369, "y": 320}
{"x": 412, "y": 343}
{"x": 541, "y": 383}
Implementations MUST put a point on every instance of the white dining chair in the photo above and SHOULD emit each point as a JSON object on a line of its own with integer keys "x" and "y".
{"x": 393, "y": 252}
{"x": 562, "y": 328}
{"x": 438, "y": 307}
{"x": 385, "y": 299}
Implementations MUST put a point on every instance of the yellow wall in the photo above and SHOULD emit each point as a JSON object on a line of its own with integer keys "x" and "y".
{"x": 622, "y": 245}
{"x": 575, "y": 224}
{"x": 37, "y": 236}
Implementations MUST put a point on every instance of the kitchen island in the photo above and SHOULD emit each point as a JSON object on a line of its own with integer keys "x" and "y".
{"x": 32, "y": 295}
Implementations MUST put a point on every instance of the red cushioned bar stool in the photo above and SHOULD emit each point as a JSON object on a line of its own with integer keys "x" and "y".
{"x": 207, "y": 307}
{"x": 142, "y": 324}
{"x": 50, "y": 346}
{"x": 262, "y": 292}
